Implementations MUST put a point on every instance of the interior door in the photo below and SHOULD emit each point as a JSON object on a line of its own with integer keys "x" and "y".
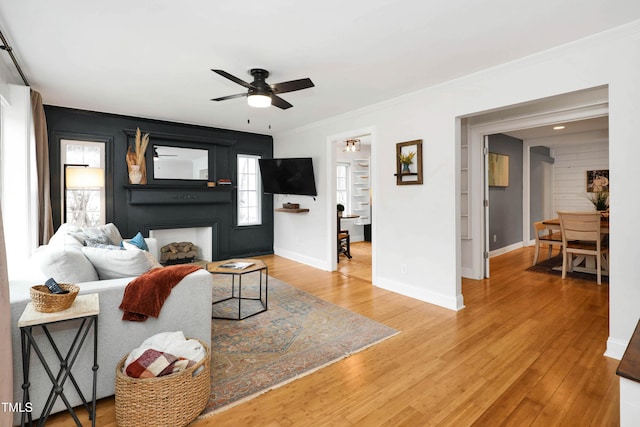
{"x": 485, "y": 158}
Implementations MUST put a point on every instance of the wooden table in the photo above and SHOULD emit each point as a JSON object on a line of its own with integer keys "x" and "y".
{"x": 84, "y": 307}
{"x": 340, "y": 218}
{"x": 554, "y": 224}
{"x": 256, "y": 265}
{"x": 583, "y": 263}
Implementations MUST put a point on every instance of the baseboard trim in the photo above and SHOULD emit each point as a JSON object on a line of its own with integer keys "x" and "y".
{"x": 456, "y": 303}
{"x": 506, "y": 249}
{"x": 295, "y": 256}
{"x": 615, "y": 348}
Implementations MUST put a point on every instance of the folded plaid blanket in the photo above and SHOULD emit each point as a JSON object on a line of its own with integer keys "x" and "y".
{"x": 154, "y": 363}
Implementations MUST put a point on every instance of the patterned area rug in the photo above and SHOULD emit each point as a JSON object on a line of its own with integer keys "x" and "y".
{"x": 298, "y": 335}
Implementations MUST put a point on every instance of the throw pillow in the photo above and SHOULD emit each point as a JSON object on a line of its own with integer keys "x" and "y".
{"x": 138, "y": 241}
{"x": 105, "y": 234}
{"x": 110, "y": 231}
{"x": 116, "y": 264}
{"x": 102, "y": 239}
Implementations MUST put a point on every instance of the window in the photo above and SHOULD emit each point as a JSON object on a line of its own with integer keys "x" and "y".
{"x": 83, "y": 206}
{"x": 19, "y": 192}
{"x": 249, "y": 191}
{"x": 342, "y": 185}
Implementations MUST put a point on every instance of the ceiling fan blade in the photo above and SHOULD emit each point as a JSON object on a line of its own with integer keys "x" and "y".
{"x": 233, "y": 78}
{"x": 292, "y": 85}
{"x": 279, "y": 102}
{"x": 224, "y": 98}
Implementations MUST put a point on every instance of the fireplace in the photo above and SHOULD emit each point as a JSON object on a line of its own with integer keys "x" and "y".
{"x": 204, "y": 237}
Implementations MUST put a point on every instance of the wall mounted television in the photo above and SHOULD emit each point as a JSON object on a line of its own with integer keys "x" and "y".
{"x": 288, "y": 176}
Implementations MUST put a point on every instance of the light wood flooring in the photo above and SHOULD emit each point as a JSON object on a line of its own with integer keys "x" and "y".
{"x": 526, "y": 351}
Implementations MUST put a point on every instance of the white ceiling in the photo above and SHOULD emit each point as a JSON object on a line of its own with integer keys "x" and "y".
{"x": 152, "y": 58}
{"x": 579, "y": 126}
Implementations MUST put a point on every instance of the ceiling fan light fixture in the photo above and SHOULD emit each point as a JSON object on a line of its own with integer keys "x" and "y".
{"x": 258, "y": 100}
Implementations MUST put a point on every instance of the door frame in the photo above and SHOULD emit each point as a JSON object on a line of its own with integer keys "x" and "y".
{"x": 332, "y": 248}
{"x": 478, "y": 172}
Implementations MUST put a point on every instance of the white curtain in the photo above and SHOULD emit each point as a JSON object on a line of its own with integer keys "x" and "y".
{"x": 6, "y": 375}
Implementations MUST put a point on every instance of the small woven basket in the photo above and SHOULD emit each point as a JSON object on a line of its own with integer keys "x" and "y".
{"x": 46, "y": 302}
{"x": 170, "y": 400}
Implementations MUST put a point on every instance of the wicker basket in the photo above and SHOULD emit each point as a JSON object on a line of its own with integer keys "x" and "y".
{"x": 43, "y": 300}
{"x": 170, "y": 400}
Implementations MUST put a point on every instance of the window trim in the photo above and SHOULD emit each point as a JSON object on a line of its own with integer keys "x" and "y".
{"x": 63, "y": 143}
{"x": 347, "y": 190}
{"x": 258, "y": 191}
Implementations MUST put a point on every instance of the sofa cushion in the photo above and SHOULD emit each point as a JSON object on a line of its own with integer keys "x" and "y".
{"x": 124, "y": 263}
{"x": 66, "y": 264}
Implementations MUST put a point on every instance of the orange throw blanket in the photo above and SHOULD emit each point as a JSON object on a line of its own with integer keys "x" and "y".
{"x": 145, "y": 295}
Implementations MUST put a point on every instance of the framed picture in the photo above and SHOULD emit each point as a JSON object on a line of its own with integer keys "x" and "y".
{"x": 597, "y": 181}
{"x": 498, "y": 170}
{"x": 409, "y": 162}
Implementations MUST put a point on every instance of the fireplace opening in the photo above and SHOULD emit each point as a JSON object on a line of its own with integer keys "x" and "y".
{"x": 178, "y": 253}
{"x": 200, "y": 240}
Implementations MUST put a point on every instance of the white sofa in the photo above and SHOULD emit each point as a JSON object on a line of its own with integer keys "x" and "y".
{"x": 187, "y": 309}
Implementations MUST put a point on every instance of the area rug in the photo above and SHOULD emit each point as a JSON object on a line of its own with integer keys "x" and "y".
{"x": 553, "y": 266}
{"x": 297, "y": 335}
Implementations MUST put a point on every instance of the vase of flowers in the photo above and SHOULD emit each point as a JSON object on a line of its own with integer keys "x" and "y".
{"x": 340, "y": 208}
{"x": 406, "y": 160}
{"x": 600, "y": 200}
{"x": 135, "y": 159}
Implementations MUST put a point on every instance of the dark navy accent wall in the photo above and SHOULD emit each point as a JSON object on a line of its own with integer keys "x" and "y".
{"x": 167, "y": 204}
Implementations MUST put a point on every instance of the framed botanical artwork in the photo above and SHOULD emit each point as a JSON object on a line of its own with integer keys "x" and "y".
{"x": 498, "y": 170}
{"x": 597, "y": 181}
{"x": 409, "y": 162}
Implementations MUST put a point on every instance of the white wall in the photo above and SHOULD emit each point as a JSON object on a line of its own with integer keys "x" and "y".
{"x": 569, "y": 169}
{"x": 415, "y": 228}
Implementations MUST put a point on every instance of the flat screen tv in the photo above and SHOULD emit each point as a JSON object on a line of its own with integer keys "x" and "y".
{"x": 288, "y": 176}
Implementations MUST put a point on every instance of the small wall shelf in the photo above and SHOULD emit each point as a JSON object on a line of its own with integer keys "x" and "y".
{"x": 299, "y": 210}
{"x": 360, "y": 196}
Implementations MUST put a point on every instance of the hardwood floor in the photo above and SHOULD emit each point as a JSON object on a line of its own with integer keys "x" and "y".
{"x": 526, "y": 351}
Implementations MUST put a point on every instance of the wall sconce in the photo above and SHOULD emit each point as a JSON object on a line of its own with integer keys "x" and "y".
{"x": 351, "y": 145}
{"x": 81, "y": 177}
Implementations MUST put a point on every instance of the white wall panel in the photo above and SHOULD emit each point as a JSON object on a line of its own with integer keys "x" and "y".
{"x": 570, "y": 174}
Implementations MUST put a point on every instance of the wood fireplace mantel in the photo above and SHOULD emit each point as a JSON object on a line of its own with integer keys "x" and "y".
{"x": 176, "y": 194}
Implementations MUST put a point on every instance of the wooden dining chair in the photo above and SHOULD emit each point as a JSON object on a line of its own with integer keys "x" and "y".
{"x": 344, "y": 242}
{"x": 546, "y": 236}
{"x": 344, "y": 245}
{"x": 581, "y": 236}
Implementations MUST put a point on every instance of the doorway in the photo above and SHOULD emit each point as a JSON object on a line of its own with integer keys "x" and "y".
{"x": 352, "y": 187}
{"x": 522, "y": 122}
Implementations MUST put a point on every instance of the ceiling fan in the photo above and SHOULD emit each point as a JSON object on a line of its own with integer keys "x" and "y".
{"x": 262, "y": 94}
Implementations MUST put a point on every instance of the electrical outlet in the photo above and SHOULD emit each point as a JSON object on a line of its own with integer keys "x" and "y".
{"x": 403, "y": 268}
{"x": 495, "y": 238}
